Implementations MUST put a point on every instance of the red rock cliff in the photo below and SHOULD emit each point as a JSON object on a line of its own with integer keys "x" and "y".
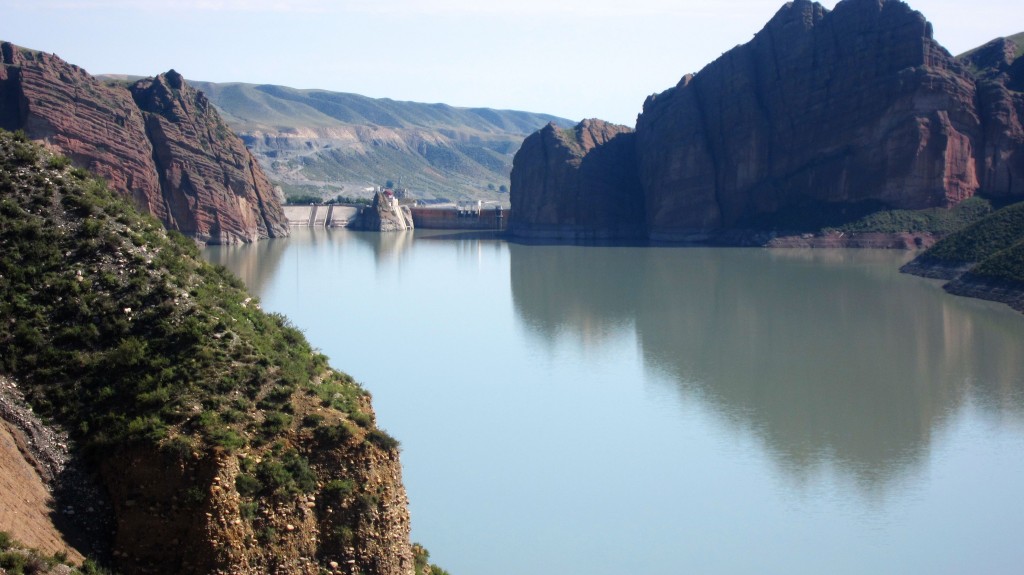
{"x": 1000, "y": 84}
{"x": 854, "y": 109}
{"x": 160, "y": 143}
{"x": 576, "y": 184}
{"x": 854, "y": 105}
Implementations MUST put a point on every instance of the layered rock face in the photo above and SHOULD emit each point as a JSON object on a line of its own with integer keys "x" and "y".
{"x": 159, "y": 142}
{"x": 159, "y": 530}
{"x": 583, "y": 182}
{"x": 1001, "y": 105}
{"x": 385, "y": 215}
{"x": 850, "y": 110}
{"x": 213, "y": 189}
{"x": 855, "y": 105}
{"x": 98, "y": 126}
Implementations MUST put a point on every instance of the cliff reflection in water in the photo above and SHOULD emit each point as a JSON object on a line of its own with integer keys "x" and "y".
{"x": 257, "y": 264}
{"x": 829, "y": 357}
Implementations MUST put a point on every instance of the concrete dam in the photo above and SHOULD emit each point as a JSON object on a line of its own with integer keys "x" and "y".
{"x": 423, "y": 217}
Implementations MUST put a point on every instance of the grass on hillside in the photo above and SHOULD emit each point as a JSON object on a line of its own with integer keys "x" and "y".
{"x": 995, "y": 243}
{"x": 868, "y": 217}
{"x": 934, "y": 220}
{"x": 16, "y": 559}
{"x": 1007, "y": 264}
{"x": 982, "y": 239}
{"x": 119, "y": 330}
{"x": 1017, "y": 39}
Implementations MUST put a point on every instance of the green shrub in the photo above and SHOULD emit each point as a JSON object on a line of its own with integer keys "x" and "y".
{"x": 289, "y": 473}
{"x": 338, "y": 489}
{"x": 333, "y": 435}
{"x": 273, "y": 475}
{"x": 343, "y": 536}
{"x": 58, "y": 162}
{"x": 275, "y": 422}
{"x": 266, "y": 535}
{"x": 193, "y": 496}
{"x": 126, "y": 336}
{"x": 247, "y": 485}
{"x": 247, "y": 509}
{"x": 381, "y": 439}
{"x": 228, "y": 439}
{"x": 312, "y": 420}
{"x": 90, "y": 567}
{"x": 364, "y": 420}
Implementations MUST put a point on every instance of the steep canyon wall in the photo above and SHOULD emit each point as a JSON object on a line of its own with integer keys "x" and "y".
{"x": 845, "y": 111}
{"x": 158, "y": 141}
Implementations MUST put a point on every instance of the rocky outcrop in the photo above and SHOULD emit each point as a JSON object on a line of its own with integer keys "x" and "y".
{"x": 1000, "y": 100}
{"x": 38, "y": 508}
{"x": 213, "y": 189}
{"x": 850, "y": 106}
{"x": 385, "y": 215}
{"x": 98, "y": 126}
{"x": 183, "y": 514}
{"x": 159, "y": 142}
{"x": 999, "y": 290}
{"x": 582, "y": 183}
{"x": 846, "y": 111}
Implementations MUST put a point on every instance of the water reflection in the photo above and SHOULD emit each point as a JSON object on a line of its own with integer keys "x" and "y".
{"x": 386, "y": 246}
{"x": 256, "y": 264}
{"x": 831, "y": 358}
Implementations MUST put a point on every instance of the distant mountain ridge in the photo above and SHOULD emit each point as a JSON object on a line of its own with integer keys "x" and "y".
{"x": 331, "y": 143}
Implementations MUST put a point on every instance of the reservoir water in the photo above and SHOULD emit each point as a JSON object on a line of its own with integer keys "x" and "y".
{"x": 656, "y": 411}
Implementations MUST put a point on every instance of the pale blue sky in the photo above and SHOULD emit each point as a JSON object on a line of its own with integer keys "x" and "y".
{"x": 572, "y": 58}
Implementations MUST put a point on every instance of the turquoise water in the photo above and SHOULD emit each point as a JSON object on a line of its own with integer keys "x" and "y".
{"x": 607, "y": 410}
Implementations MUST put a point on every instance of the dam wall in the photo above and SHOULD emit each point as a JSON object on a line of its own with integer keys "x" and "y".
{"x": 427, "y": 218}
{"x": 450, "y": 218}
{"x": 322, "y": 216}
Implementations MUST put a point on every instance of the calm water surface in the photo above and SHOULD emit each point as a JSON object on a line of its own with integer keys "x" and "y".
{"x": 604, "y": 410}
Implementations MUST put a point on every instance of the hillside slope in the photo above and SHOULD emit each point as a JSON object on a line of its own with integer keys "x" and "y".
{"x": 331, "y": 143}
{"x": 225, "y": 443}
{"x": 984, "y": 260}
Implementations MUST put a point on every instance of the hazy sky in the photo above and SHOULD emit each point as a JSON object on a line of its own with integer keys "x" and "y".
{"x": 572, "y": 58}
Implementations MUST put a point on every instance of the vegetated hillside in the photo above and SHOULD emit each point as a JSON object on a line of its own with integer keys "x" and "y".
{"x": 224, "y": 441}
{"x": 823, "y": 119}
{"x": 331, "y": 143}
{"x": 984, "y": 260}
{"x": 978, "y": 242}
{"x": 1017, "y": 39}
{"x": 157, "y": 141}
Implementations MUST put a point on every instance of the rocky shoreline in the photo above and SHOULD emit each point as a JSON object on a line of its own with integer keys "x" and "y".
{"x": 741, "y": 238}
{"x": 1003, "y": 291}
{"x": 935, "y": 269}
{"x": 960, "y": 281}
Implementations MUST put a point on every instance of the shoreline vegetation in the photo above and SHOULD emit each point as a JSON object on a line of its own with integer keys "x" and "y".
{"x": 208, "y": 422}
{"x": 984, "y": 260}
